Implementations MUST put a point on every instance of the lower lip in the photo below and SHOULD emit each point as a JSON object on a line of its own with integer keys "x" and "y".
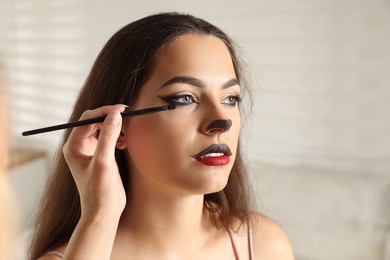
{"x": 214, "y": 161}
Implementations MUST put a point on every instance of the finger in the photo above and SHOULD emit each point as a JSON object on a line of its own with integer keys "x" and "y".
{"x": 89, "y": 130}
{"x": 82, "y": 140}
{"x": 108, "y": 136}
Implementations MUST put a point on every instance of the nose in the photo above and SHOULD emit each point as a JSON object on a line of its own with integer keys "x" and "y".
{"x": 216, "y": 118}
{"x": 219, "y": 126}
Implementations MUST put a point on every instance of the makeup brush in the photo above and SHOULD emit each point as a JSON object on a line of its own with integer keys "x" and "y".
{"x": 99, "y": 119}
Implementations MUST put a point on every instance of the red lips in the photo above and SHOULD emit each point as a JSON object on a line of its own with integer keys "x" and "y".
{"x": 214, "y": 155}
{"x": 214, "y": 161}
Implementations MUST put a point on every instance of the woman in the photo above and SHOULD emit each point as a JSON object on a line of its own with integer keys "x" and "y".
{"x": 165, "y": 185}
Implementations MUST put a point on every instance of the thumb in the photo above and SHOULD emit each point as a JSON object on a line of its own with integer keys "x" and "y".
{"x": 108, "y": 136}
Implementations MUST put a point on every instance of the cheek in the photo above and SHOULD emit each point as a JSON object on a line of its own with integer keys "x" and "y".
{"x": 155, "y": 143}
{"x": 234, "y": 132}
{"x": 232, "y": 140}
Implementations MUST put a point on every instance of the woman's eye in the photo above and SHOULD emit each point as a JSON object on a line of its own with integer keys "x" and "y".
{"x": 231, "y": 100}
{"x": 181, "y": 100}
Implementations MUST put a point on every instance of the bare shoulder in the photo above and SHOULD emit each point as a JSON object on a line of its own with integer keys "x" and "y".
{"x": 269, "y": 241}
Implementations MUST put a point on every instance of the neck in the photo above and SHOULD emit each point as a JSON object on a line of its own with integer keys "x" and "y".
{"x": 162, "y": 220}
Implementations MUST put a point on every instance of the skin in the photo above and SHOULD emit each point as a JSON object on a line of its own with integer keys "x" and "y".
{"x": 162, "y": 216}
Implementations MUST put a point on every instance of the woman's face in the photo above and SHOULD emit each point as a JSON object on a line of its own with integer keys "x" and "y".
{"x": 196, "y": 73}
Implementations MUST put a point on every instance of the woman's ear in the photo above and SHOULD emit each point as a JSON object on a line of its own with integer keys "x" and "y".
{"x": 121, "y": 142}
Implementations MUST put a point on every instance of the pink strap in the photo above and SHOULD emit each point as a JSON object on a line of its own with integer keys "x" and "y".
{"x": 233, "y": 244}
{"x": 250, "y": 242}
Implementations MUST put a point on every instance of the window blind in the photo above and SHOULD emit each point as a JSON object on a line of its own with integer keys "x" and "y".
{"x": 45, "y": 47}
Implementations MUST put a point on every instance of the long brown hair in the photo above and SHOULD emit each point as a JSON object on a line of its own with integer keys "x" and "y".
{"x": 117, "y": 75}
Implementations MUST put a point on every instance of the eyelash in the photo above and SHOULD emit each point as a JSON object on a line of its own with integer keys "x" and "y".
{"x": 237, "y": 100}
{"x": 191, "y": 99}
{"x": 175, "y": 100}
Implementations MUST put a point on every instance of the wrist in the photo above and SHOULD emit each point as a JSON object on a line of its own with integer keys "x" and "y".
{"x": 100, "y": 218}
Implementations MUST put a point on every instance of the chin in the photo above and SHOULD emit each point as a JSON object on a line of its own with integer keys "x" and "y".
{"x": 213, "y": 187}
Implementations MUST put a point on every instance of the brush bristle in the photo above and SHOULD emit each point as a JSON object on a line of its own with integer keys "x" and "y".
{"x": 171, "y": 106}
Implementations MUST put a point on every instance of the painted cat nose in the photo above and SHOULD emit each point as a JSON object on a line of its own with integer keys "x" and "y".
{"x": 220, "y": 125}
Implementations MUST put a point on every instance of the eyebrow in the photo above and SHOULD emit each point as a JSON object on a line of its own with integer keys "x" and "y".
{"x": 196, "y": 82}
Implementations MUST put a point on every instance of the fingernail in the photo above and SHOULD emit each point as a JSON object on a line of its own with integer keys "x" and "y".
{"x": 114, "y": 118}
{"x": 123, "y": 106}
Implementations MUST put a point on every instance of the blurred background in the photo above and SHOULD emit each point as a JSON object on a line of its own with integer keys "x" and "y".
{"x": 317, "y": 140}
